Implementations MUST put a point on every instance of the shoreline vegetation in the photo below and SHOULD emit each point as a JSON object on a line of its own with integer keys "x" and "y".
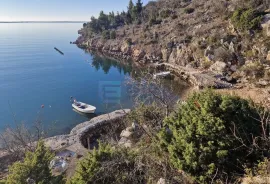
{"x": 213, "y": 136}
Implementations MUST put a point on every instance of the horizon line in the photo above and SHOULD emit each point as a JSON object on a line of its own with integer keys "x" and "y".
{"x": 41, "y": 21}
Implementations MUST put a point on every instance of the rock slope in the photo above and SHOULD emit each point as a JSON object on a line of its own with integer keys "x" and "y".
{"x": 203, "y": 39}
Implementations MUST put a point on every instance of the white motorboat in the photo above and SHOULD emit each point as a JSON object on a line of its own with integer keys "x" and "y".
{"x": 83, "y": 107}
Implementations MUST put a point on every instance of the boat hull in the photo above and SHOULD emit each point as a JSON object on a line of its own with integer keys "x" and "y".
{"x": 87, "y": 108}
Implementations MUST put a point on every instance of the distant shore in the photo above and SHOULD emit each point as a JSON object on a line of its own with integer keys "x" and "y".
{"x": 42, "y": 22}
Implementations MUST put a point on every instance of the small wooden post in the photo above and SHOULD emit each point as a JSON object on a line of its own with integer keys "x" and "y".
{"x": 88, "y": 142}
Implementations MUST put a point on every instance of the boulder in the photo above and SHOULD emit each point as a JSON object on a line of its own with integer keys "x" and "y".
{"x": 126, "y": 133}
{"x": 126, "y": 49}
{"x": 138, "y": 54}
{"x": 208, "y": 51}
{"x": 233, "y": 68}
{"x": 161, "y": 181}
{"x": 268, "y": 56}
{"x": 266, "y": 24}
{"x": 218, "y": 67}
{"x": 115, "y": 48}
{"x": 231, "y": 47}
{"x": 263, "y": 82}
{"x": 125, "y": 142}
{"x": 165, "y": 54}
{"x": 173, "y": 56}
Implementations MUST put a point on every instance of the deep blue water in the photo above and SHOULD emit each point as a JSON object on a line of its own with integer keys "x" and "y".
{"x": 32, "y": 74}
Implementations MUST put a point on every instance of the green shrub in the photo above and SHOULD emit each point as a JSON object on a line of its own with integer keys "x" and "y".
{"x": 249, "y": 54}
{"x": 107, "y": 165}
{"x": 254, "y": 70}
{"x": 106, "y": 34}
{"x": 114, "y": 165}
{"x": 112, "y": 34}
{"x": 189, "y": 10}
{"x": 206, "y": 63}
{"x": 154, "y": 21}
{"x": 174, "y": 16}
{"x": 35, "y": 166}
{"x": 211, "y": 135}
{"x": 129, "y": 41}
{"x": 165, "y": 13}
{"x": 246, "y": 19}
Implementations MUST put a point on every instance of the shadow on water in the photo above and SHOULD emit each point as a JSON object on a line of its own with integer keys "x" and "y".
{"x": 88, "y": 116}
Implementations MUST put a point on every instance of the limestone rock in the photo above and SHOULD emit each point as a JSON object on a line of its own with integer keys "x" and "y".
{"x": 208, "y": 51}
{"x": 126, "y": 49}
{"x": 126, "y": 133}
{"x": 161, "y": 181}
{"x": 115, "y": 48}
{"x": 268, "y": 56}
{"x": 266, "y": 24}
{"x": 218, "y": 67}
{"x": 125, "y": 142}
{"x": 165, "y": 54}
{"x": 233, "y": 68}
{"x": 263, "y": 82}
{"x": 99, "y": 121}
{"x": 138, "y": 54}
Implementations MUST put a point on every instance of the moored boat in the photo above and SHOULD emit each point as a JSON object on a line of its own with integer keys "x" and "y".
{"x": 83, "y": 107}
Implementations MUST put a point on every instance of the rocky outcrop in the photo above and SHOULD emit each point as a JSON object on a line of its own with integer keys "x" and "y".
{"x": 129, "y": 136}
{"x": 219, "y": 67}
{"x": 268, "y": 56}
{"x": 79, "y": 133}
{"x": 266, "y": 24}
{"x": 175, "y": 58}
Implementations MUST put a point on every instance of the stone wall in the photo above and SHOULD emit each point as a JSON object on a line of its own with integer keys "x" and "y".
{"x": 79, "y": 134}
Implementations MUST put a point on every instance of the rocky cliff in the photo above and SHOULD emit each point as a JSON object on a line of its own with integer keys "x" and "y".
{"x": 197, "y": 35}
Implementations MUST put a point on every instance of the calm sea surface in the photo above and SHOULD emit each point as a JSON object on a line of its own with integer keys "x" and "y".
{"x": 33, "y": 74}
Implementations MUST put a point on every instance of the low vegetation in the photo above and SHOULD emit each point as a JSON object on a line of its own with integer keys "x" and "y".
{"x": 209, "y": 138}
{"x": 213, "y": 137}
{"x": 246, "y": 19}
{"x": 106, "y": 22}
{"x": 34, "y": 168}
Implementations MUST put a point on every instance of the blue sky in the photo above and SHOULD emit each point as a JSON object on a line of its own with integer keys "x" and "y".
{"x": 53, "y": 10}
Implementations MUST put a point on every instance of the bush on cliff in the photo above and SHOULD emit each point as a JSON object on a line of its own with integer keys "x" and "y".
{"x": 212, "y": 136}
{"x": 107, "y": 165}
{"x": 34, "y": 167}
{"x": 189, "y": 10}
{"x": 115, "y": 165}
{"x": 106, "y": 34}
{"x": 246, "y": 19}
{"x": 112, "y": 34}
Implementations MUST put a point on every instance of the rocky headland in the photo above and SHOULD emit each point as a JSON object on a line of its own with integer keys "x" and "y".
{"x": 196, "y": 40}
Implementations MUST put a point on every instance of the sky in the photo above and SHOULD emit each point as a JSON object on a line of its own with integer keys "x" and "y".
{"x": 58, "y": 10}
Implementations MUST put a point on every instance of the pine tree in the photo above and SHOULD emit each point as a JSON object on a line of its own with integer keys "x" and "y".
{"x": 130, "y": 6}
{"x": 202, "y": 140}
{"x": 103, "y": 20}
{"x": 35, "y": 166}
{"x": 90, "y": 165}
{"x": 139, "y": 6}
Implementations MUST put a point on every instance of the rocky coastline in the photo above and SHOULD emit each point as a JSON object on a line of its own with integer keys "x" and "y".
{"x": 78, "y": 134}
{"x": 76, "y": 141}
{"x": 121, "y": 51}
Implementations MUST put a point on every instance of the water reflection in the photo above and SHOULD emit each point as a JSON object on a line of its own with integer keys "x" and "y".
{"x": 88, "y": 116}
{"x": 106, "y": 64}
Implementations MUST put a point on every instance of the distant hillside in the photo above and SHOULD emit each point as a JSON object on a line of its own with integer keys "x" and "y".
{"x": 230, "y": 38}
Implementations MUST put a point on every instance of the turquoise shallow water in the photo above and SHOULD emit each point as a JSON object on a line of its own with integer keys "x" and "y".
{"x": 32, "y": 74}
